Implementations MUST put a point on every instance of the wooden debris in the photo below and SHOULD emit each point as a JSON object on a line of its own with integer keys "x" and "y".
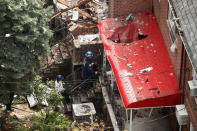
{"x": 82, "y": 2}
{"x": 64, "y": 2}
{"x": 79, "y": 10}
{"x": 83, "y": 13}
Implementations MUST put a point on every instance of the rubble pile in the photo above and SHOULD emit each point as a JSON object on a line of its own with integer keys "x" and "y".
{"x": 75, "y": 18}
{"x": 81, "y": 15}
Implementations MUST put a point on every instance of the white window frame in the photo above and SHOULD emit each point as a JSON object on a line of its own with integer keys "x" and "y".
{"x": 194, "y": 74}
{"x": 173, "y": 32}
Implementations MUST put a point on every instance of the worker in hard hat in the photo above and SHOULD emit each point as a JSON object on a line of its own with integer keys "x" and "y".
{"x": 58, "y": 83}
{"x": 88, "y": 71}
{"x": 60, "y": 89}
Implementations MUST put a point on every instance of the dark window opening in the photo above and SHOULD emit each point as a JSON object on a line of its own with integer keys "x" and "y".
{"x": 141, "y": 35}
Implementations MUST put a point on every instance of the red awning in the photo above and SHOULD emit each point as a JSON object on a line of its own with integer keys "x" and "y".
{"x": 143, "y": 70}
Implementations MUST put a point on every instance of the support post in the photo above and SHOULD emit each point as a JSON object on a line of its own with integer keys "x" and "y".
{"x": 112, "y": 80}
{"x": 191, "y": 127}
{"x": 127, "y": 115}
{"x": 91, "y": 117}
{"x": 180, "y": 128}
{"x": 110, "y": 109}
{"x": 131, "y": 120}
{"x": 151, "y": 110}
{"x": 104, "y": 60}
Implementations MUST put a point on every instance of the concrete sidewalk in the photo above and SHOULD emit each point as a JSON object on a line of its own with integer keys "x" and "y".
{"x": 156, "y": 122}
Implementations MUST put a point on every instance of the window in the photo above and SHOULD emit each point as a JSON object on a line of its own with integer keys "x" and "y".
{"x": 173, "y": 32}
{"x": 194, "y": 74}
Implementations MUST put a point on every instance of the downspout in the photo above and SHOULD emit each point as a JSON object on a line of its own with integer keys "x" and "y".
{"x": 181, "y": 68}
{"x": 181, "y": 72}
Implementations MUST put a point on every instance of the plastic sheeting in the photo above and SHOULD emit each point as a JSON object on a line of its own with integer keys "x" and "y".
{"x": 143, "y": 70}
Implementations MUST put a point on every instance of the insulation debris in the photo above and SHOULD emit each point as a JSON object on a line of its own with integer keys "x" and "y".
{"x": 146, "y": 70}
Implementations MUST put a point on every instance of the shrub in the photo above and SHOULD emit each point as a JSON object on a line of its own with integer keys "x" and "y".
{"x": 51, "y": 121}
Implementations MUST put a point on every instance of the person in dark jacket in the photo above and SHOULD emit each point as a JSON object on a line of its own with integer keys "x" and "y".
{"x": 8, "y": 105}
{"x": 88, "y": 72}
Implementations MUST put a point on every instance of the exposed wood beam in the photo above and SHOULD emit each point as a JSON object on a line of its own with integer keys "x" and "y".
{"x": 83, "y": 2}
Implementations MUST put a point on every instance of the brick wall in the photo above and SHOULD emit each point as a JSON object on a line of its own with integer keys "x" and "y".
{"x": 124, "y": 7}
{"x": 184, "y": 69}
{"x": 161, "y": 13}
{"x": 188, "y": 99}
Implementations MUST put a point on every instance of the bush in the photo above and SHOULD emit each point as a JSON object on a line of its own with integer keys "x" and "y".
{"x": 11, "y": 123}
{"x": 39, "y": 88}
{"x": 51, "y": 121}
{"x": 54, "y": 99}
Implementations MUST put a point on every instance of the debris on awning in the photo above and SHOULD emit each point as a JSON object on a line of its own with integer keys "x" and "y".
{"x": 144, "y": 77}
{"x": 146, "y": 70}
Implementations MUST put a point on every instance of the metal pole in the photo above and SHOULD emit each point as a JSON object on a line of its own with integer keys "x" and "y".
{"x": 91, "y": 117}
{"x": 151, "y": 110}
{"x": 127, "y": 115}
{"x": 191, "y": 127}
{"x": 180, "y": 128}
{"x": 112, "y": 80}
{"x": 104, "y": 60}
{"x": 131, "y": 120}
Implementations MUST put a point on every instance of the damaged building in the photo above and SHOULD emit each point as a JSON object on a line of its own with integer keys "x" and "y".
{"x": 146, "y": 52}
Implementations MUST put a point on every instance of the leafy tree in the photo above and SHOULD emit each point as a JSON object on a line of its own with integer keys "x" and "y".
{"x": 24, "y": 40}
{"x": 52, "y": 121}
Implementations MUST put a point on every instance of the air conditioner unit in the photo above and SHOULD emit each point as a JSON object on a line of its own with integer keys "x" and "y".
{"x": 84, "y": 112}
{"x": 193, "y": 87}
{"x": 181, "y": 115}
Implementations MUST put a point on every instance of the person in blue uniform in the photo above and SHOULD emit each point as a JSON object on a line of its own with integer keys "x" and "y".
{"x": 89, "y": 72}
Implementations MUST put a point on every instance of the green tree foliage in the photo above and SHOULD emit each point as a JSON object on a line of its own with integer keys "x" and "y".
{"x": 52, "y": 121}
{"x": 24, "y": 39}
{"x": 39, "y": 87}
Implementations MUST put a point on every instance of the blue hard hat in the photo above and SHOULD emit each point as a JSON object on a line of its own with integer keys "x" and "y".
{"x": 60, "y": 77}
{"x": 89, "y": 53}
